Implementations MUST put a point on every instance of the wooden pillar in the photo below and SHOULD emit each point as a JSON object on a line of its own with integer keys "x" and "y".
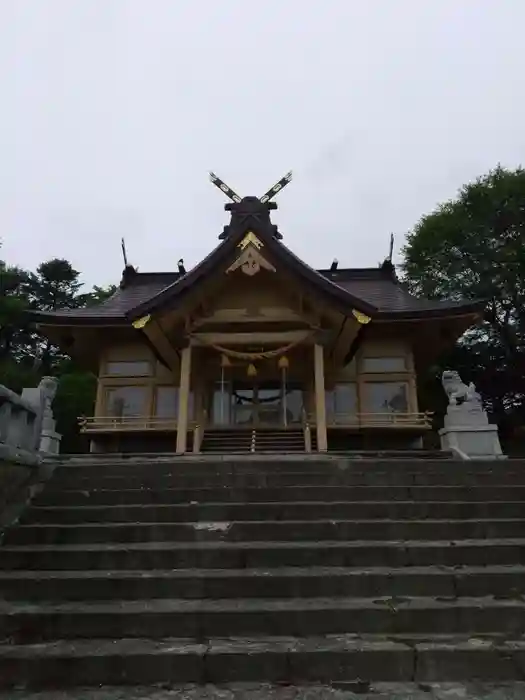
{"x": 412, "y": 384}
{"x": 360, "y": 389}
{"x": 199, "y": 400}
{"x": 184, "y": 398}
{"x": 100, "y": 401}
{"x": 320, "y": 401}
{"x": 199, "y": 412}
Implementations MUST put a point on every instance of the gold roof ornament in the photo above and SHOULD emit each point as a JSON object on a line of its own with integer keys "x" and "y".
{"x": 250, "y": 261}
{"x": 251, "y": 371}
{"x": 363, "y": 319}
{"x": 250, "y": 239}
{"x": 141, "y": 322}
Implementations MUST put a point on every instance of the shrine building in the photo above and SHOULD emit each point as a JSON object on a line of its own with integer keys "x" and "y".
{"x": 253, "y": 350}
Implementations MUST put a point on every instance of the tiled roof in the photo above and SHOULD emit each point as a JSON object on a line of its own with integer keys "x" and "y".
{"x": 371, "y": 285}
{"x": 388, "y": 296}
{"x": 143, "y": 287}
{"x": 372, "y": 291}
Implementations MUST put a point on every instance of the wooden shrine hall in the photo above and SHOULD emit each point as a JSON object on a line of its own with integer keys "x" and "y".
{"x": 254, "y": 350}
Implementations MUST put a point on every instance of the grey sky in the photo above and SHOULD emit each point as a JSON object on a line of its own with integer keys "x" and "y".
{"x": 113, "y": 112}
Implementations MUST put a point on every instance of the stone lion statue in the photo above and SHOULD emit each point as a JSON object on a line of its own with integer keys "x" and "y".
{"x": 48, "y": 389}
{"x": 457, "y": 391}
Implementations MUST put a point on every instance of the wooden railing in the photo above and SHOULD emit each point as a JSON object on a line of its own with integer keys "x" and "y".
{"x": 340, "y": 420}
{"x": 109, "y": 424}
{"x": 113, "y": 424}
{"x": 377, "y": 420}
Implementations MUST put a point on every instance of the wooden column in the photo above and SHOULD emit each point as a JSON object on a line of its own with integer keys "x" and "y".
{"x": 412, "y": 384}
{"x": 184, "y": 398}
{"x": 100, "y": 407}
{"x": 320, "y": 402}
{"x": 199, "y": 387}
{"x": 360, "y": 387}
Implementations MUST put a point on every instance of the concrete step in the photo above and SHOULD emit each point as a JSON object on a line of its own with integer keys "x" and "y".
{"x": 356, "y": 689}
{"x": 241, "y": 555}
{"x": 276, "y": 441}
{"x": 227, "y": 442}
{"x": 279, "y": 660}
{"x": 230, "y": 443}
{"x": 25, "y": 622}
{"x": 217, "y": 450}
{"x": 369, "y": 454}
{"x": 278, "y": 447}
{"x": 274, "y": 531}
{"x": 309, "y": 510}
{"x": 283, "y": 443}
{"x": 200, "y": 464}
{"x": 285, "y": 582}
{"x": 285, "y": 493}
{"x": 279, "y": 479}
{"x": 212, "y": 451}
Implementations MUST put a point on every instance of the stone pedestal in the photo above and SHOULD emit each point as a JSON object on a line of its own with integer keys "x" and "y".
{"x": 41, "y": 398}
{"x": 49, "y": 438}
{"x": 467, "y": 430}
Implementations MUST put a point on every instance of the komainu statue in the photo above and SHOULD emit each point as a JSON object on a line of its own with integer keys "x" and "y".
{"x": 48, "y": 389}
{"x": 457, "y": 391}
{"x": 466, "y": 429}
{"x": 42, "y": 398}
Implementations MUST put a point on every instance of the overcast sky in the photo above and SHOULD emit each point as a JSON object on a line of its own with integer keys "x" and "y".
{"x": 112, "y": 113}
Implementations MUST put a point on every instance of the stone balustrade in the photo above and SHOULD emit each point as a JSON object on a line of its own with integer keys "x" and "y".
{"x": 27, "y": 434}
{"x": 20, "y": 459}
{"x": 20, "y": 427}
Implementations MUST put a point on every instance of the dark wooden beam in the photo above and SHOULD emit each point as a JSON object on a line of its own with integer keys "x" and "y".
{"x": 158, "y": 342}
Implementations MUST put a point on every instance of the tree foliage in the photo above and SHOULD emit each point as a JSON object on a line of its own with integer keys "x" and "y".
{"x": 473, "y": 247}
{"x": 54, "y": 286}
{"x": 12, "y": 307}
{"x": 99, "y": 294}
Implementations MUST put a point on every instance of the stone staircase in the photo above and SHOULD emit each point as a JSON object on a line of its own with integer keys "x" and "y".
{"x": 220, "y": 441}
{"x": 295, "y": 570}
{"x": 246, "y": 441}
{"x": 284, "y": 441}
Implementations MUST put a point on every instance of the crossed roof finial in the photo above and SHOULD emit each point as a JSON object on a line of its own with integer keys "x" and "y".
{"x": 267, "y": 196}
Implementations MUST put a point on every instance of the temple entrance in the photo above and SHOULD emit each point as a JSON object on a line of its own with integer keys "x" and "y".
{"x": 257, "y": 404}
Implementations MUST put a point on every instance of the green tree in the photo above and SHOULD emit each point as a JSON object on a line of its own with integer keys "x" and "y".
{"x": 99, "y": 294}
{"x": 55, "y": 286}
{"x": 13, "y": 303}
{"x": 75, "y": 397}
{"x": 473, "y": 247}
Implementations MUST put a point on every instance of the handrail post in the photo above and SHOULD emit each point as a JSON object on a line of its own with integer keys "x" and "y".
{"x": 307, "y": 438}
{"x": 197, "y": 438}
